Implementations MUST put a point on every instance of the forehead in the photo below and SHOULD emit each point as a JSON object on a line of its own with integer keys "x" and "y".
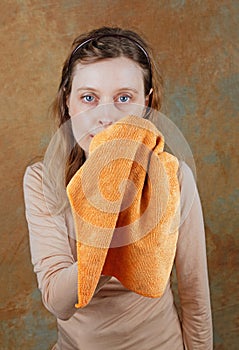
{"x": 113, "y": 71}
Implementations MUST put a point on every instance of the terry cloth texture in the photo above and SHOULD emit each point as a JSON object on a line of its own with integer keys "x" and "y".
{"x": 125, "y": 201}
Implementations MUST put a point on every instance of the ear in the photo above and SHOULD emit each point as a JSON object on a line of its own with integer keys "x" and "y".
{"x": 67, "y": 100}
{"x": 148, "y": 97}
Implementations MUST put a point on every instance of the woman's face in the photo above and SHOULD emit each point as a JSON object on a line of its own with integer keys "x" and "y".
{"x": 102, "y": 93}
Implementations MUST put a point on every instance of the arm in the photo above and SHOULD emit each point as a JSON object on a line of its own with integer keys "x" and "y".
{"x": 191, "y": 268}
{"x": 53, "y": 261}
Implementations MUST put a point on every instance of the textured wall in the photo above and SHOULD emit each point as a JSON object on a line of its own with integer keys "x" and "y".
{"x": 197, "y": 43}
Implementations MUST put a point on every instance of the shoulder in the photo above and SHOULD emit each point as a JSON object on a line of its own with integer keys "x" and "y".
{"x": 39, "y": 192}
{"x": 33, "y": 173}
{"x": 185, "y": 174}
{"x": 186, "y": 179}
{"x": 33, "y": 184}
{"x": 188, "y": 189}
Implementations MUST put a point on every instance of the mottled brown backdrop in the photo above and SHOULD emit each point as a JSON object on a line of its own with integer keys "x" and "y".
{"x": 197, "y": 45}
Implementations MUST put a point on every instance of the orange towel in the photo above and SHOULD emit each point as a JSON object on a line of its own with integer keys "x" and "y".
{"x": 125, "y": 201}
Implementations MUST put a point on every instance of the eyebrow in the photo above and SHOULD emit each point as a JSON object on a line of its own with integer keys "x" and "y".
{"x": 86, "y": 88}
{"x": 89, "y": 88}
{"x": 128, "y": 89}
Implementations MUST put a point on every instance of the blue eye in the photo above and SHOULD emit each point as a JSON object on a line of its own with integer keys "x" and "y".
{"x": 124, "y": 98}
{"x": 88, "y": 98}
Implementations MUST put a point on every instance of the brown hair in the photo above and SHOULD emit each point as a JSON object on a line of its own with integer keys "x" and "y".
{"x": 102, "y": 43}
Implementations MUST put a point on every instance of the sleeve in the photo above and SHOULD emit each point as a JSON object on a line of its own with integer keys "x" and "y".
{"x": 51, "y": 254}
{"x": 191, "y": 268}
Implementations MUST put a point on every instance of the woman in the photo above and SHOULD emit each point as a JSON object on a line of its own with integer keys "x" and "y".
{"x": 110, "y": 70}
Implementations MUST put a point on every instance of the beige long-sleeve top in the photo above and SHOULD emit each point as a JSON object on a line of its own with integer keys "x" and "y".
{"x": 117, "y": 318}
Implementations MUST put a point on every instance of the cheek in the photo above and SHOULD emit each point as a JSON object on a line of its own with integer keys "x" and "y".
{"x": 73, "y": 106}
{"x": 142, "y": 100}
{"x": 80, "y": 128}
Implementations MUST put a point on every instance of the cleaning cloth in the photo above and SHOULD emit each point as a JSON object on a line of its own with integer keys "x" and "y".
{"x": 125, "y": 201}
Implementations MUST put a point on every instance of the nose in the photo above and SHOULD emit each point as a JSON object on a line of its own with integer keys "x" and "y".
{"x": 107, "y": 115}
{"x": 105, "y": 123}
